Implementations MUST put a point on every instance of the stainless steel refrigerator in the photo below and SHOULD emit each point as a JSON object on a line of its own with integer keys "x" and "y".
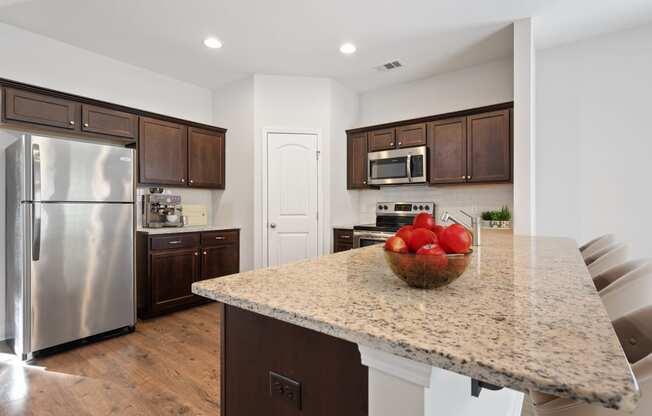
{"x": 69, "y": 241}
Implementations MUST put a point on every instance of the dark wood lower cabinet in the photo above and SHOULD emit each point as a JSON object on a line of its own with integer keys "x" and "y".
{"x": 173, "y": 273}
{"x": 342, "y": 239}
{"x": 328, "y": 375}
{"x": 167, "y": 266}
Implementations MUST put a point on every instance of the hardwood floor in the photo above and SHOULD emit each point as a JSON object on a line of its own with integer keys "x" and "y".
{"x": 169, "y": 366}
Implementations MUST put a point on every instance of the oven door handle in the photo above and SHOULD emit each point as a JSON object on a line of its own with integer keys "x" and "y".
{"x": 409, "y": 168}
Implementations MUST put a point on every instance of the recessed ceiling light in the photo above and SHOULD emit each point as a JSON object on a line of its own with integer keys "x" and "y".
{"x": 347, "y": 48}
{"x": 213, "y": 43}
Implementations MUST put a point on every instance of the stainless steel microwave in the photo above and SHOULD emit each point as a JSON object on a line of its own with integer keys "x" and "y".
{"x": 397, "y": 166}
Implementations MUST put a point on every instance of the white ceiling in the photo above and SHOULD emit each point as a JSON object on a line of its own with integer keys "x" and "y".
{"x": 302, "y": 37}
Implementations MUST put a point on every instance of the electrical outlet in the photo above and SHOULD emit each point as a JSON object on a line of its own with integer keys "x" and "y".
{"x": 285, "y": 388}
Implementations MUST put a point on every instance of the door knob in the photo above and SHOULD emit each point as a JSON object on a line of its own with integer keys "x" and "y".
{"x": 272, "y": 225}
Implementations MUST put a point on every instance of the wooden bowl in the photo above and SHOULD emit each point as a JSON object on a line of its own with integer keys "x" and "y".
{"x": 427, "y": 271}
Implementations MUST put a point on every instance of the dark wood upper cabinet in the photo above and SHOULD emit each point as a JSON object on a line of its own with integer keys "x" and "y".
{"x": 447, "y": 148}
{"x": 411, "y": 135}
{"x": 162, "y": 152}
{"x": 382, "y": 140}
{"x": 206, "y": 158}
{"x": 173, "y": 274}
{"x": 110, "y": 122}
{"x": 489, "y": 147}
{"x": 33, "y": 108}
{"x": 356, "y": 161}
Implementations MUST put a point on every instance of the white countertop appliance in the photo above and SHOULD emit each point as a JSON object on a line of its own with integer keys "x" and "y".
{"x": 70, "y": 241}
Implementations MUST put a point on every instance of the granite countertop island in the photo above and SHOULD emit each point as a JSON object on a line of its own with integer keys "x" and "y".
{"x": 525, "y": 315}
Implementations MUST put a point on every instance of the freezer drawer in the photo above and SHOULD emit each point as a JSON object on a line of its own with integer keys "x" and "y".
{"x": 81, "y": 274}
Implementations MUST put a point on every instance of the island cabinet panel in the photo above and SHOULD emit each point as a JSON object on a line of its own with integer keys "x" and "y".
{"x": 174, "y": 272}
{"x": 356, "y": 164}
{"x": 110, "y": 122}
{"x": 40, "y": 109}
{"x": 447, "y": 147}
{"x": 168, "y": 264}
{"x": 489, "y": 147}
{"x": 332, "y": 380}
{"x": 411, "y": 135}
{"x": 163, "y": 152}
{"x": 342, "y": 239}
{"x": 205, "y": 159}
{"x": 383, "y": 139}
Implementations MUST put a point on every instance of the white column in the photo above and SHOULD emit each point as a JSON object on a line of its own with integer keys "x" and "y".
{"x": 398, "y": 386}
{"x": 524, "y": 132}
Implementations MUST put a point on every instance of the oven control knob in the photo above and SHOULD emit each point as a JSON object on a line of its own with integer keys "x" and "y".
{"x": 427, "y": 208}
{"x": 385, "y": 207}
{"x": 415, "y": 208}
{"x": 380, "y": 207}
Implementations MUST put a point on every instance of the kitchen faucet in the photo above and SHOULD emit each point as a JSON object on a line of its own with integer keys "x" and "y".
{"x": 474, "y": 228}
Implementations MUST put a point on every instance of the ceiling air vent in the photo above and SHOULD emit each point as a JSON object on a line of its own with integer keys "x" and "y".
{"x": 389, "y": 65}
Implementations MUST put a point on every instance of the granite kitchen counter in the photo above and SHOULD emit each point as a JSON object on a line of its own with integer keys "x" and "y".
{"x": 185, "y": 229}
{"x": 525, "y": 315}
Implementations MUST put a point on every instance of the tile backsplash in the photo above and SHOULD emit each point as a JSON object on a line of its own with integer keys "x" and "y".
{"x": 474, "y": 199}
{"x": 188, "y": 196}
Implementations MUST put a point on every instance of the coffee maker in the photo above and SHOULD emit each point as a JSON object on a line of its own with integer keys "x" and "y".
{"x": 162, "y": 210}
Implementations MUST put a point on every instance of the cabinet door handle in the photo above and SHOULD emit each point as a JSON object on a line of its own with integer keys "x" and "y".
{"x": 174, "y": 242}
{"x": 72, "y": 122}
{"x": 219, "y": 238}
{"x": 399, "y": 143}
{"x": 345, "y": 236}
{"x": 85, "y": 124}
{"x": 204, "y": 253}
{"x": 183, "y": 180}
{"x": 191, "y": 181}
{"x": 468, "y": 177}
{"x": 392, "y": 144}
{"x": 196, "y": 253}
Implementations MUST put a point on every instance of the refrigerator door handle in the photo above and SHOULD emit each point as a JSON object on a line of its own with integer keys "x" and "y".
{"x": 36, "y": 172}
{"x": 36, "y": 231}
{"x": 36, "y": 206}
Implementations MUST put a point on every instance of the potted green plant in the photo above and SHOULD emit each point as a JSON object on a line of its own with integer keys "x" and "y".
{"x": 501, "y": 218}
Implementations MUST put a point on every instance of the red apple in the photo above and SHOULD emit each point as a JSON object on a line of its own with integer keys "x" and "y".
{"x": 405, "y": 232}
{"x": 435, "y": 256}
{"x": 424, "y": 220}
{"x": 438, "y": 229}
{"x": 456, "y": 239}
{"x": 396, "y": 244}
{"x": 420, "y": 237}
{"x": 431, "y": 249}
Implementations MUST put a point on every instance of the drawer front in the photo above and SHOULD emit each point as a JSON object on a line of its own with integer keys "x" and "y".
{"x": 218, "y": 238}
{"x": 343, "y": 239}
{"x": 177, "y": 241}
{"x": 411, "y": 135}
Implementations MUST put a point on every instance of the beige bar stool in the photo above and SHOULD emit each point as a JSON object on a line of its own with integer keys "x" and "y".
{"x": 630, "y": 292}
{"x": 606, "y": 258}
{"x": 635, "y": 334}
{"x": 597, "y": 244}
{"x": 609, "y": 276}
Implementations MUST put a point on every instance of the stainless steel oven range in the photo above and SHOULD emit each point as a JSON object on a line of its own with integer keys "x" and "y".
{"x": 390, "y": 216}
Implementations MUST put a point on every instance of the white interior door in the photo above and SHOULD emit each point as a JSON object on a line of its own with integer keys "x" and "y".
{"x": 292, "y": 197}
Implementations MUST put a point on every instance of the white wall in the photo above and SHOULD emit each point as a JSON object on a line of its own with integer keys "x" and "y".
{"x": 476, "y": 86}
{"x": 233, "y": 108}
{"x": 593, "y": 138}
{"x": 41, "y": 61}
